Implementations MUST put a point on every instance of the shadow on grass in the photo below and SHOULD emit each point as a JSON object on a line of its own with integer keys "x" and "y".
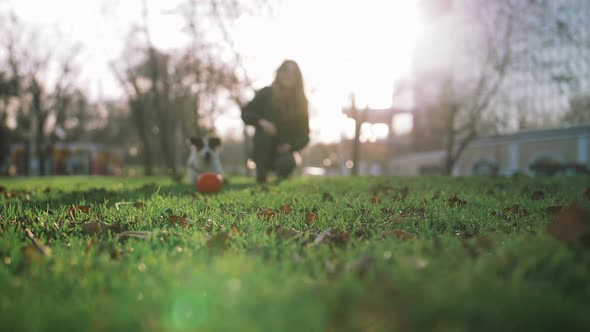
{"x": 54, "y": 197}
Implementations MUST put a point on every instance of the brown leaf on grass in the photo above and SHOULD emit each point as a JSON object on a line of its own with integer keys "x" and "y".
{"x": 571, "y": 224}
{"x": 332, "y": 235}
{"x": 77, "y": 209}
{"x": 178, "y": 220}
{"x": 219, "y": 241}
{"x": 283, "y": 233}
{"x": 375, "y": 199}
{"x": 267, "y": 214}
{"x": 362, "y": 265}
{"x": 553, "y": 210}
{"x": 436, "y": 195}
{"x": 36, "y": 244}
{"x": 286, "y": 209}
{"x": 95, "y": 227}
{"x": 327, "y": 197}
{"x": 397, "y": 233}
{"x": 537, "y": 195}
{"x": 310, "y": 218}
{"x": 454, "y": 200}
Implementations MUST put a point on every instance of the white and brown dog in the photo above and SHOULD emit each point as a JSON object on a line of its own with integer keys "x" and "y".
{"x": 204, "y": 157}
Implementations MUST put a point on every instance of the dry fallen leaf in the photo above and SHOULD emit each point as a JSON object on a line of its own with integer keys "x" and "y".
{"x": 77, "y": 209}
{"x": 178, "y": 220}
{"x": 310, "y": 218}
{"x": 286, "y": 209}
{"x": 397, "y": 233}
{"x": 267, "y": 214}
{"x": 571, "y": 224}
{"x": 454, "y": 200}
{"x": 332, "y": 235}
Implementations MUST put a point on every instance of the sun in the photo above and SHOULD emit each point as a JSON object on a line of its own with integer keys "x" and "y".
{"x": 377, "y": 52}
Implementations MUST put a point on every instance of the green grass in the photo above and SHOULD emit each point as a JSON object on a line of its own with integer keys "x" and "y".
{"x": 477, "y": 266}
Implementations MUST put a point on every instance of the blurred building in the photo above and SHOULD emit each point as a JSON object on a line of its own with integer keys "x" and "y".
{"x": 68, "y": 159}
{"x": 543, "y": 151}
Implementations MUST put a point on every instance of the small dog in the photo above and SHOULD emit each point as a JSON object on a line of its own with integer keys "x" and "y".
{"x": 204, "y": 157}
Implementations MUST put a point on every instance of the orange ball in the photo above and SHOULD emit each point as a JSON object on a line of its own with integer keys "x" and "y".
{"x": 209, "y": 183}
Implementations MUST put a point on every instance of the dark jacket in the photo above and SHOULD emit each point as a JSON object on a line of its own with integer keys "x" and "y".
{"x": 293, "y": 129}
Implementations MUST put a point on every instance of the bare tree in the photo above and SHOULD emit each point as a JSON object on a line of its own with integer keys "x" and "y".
{"x": 176, "y": 94}
{"x": 505, "y": 34}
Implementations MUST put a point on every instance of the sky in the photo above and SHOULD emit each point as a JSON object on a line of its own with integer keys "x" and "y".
{"x": 342, "y": 46}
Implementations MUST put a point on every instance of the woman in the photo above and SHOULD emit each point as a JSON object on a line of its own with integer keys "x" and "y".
{"x": 279, "y": 113}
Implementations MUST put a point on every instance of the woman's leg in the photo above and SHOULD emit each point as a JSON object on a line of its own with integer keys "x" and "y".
{"x": 285, "y": 165}
{"x": 264, "y": 153}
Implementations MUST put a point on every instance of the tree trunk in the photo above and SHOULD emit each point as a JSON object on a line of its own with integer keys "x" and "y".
{"x": 356, "y": 142}
{"x": 37, "y": 148}
{"x": 165, "y": 132}
{"x": 136, "y": 111}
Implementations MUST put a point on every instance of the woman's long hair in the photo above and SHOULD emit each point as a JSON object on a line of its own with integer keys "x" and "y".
{"x": 296, "y": 103}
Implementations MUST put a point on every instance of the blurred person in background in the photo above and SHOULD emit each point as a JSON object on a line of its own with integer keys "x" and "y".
{"x": 279, "y": 113}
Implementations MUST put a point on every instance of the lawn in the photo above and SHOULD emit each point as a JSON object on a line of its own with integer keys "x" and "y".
{"x": 318, "y": 254}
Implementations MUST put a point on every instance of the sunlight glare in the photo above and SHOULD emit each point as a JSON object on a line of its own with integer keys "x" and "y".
{"x": 360, "y": 47}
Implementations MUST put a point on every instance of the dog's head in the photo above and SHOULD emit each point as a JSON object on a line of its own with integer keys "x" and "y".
{"x": 205, "y": 147}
